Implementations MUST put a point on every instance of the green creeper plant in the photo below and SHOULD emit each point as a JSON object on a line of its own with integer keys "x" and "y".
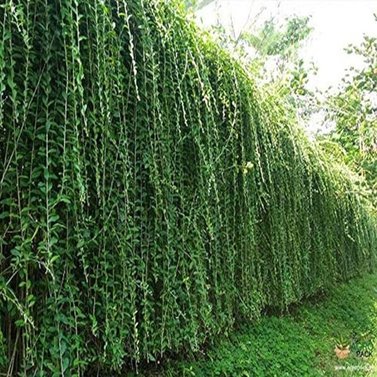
{"x": 150, "y": 195}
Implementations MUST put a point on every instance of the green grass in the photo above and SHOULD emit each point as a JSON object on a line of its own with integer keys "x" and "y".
{"x": 299, "y": 343}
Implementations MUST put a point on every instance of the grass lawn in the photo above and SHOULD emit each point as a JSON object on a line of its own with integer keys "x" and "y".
{"x": 299, "y": 343}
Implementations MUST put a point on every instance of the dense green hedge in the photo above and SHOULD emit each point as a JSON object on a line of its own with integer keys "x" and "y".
{"x": 150, "y": 197}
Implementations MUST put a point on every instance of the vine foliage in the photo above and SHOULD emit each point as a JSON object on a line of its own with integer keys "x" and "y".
{"x": 150, "y": 195}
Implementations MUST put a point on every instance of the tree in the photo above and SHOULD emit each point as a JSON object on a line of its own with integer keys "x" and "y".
{"x": 277, "y": 46}
{"x": 271, "y": 53}
{"x": 353, "y": 109}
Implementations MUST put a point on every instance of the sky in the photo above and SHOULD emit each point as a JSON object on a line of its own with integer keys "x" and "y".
{"x": 336, "y": 23}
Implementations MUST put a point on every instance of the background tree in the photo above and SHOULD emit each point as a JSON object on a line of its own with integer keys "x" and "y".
{"x": 353, "y": 109}
{"x": 271, "y": 51}
{"x": 277, "y": 55}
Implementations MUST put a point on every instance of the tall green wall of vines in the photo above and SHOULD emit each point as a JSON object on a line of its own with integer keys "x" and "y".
{"x": 150, "y": 196}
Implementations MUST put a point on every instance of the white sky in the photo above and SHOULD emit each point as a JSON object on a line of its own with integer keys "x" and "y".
{"x": 336, "y": 24}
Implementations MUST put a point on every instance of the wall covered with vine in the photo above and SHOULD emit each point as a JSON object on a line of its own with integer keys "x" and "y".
{"x": 150, "y": 194}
